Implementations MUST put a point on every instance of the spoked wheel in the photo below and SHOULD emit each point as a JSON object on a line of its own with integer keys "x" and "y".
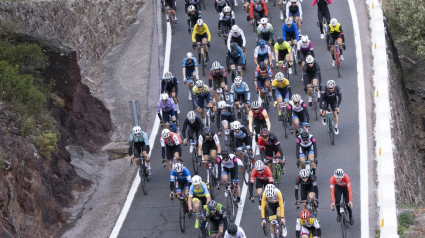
{"x": 247, "y": 168}
{"x": 143, "y": 179}
{"x": 231, "y": 208}
{"x": 331, "y": 132}
{"x": 315, "y": 105}
{"x": 212, "y": 185}
{"x": 195, "y": 161}
{"x": 182, "y": 217}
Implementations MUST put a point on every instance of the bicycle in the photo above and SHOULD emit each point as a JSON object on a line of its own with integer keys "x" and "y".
{"x": 232, "y": 201}
{"x": 228, "y": 144}
{"x": 344, "y": 218}
{"x": 211, "y": 180}
{"x": 225, "y": 34}
{"x": 207, "y": 229}
{"x": 208, "y": 117}
{"x": 294, "y": 57}
{"x": 277, "y": 171}
{"x": 285, "y": 70}
{"x": 184, "y": 209}
{"x": 330, "y": 125}
{"x": 144, "y": 177}
{"x": 337, "y": 55}
{"x": 194, "y": 151}
{"x": 307, "y": 165}
{"x": 311, "y": 207}
{"x": 324, "y": 25}
{"x": 266, "y": 98}
{"x": 224, "y": 95}
{"x": 247, "y": 166}
{"x": 192, "y": 79}
{"x": 203, "y": 59}
{"x": 280, "y": 230}
{"x": 243, "y": 114}
{"x": 203, "y": 4}
{"x": 314, "y": 99}
{"x": 171, "y": 20}
{"x": 285, "y": 121}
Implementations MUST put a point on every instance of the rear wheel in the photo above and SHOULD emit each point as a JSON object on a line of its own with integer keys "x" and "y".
{"x": 266, "y": 228}
{"x": 315, "y": 104}
{"x": 276, "y": 175}
{"x": 294, "y": 59}
{"x": 212, "y": 184}
{"x": 338, "y": 62}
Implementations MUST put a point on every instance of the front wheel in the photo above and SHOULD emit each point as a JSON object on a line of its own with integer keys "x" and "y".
{"x": 230, "y": 207}
{"x": 247, "y": 168}
{"x": 143, "y": 179}
{"x": 182, "y": 216}
{"x": 195, "y": 161}
{"x": 276, "y": 175}
{"x": 331, "y": 131}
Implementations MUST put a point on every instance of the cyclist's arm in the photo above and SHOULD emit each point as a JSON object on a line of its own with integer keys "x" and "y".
{"x": 266, "y": 117}
{"x": 314, "y": 3}
{"x": 271, "y": 32}
{"x": 233, "y": 19}
{"x": 210, "y": 78}
{"x": 162, "y": 148}
{"x": 287, "y": 10}
{"x": 284, "y": 32}
{"x": 305, "y": 110}
{"x": 219, "y": 158}
{"x": 220, "y": 20}
{"x": 314, "y": 146}
{"x": 322, "y": 98}
{"x": 217, "y": 142}
{"x": 248, "y": 93}
{"x": 251, "y": 10}
{"x": 251, "y": 182}
{"x": 241, "y": 55}
{"x": 266, "y": 13}
{"x": 130, "y": 145}
{"x": 263, "y": 206}
{"x": 300, "y": 9}
{"x": 297, "y": 148}
{"x": 172, "y": 178}
{"x": 195, "y": 29}
{"x": 290, "y": 114}
{"x": 296, "y": 32}
{"x": 280, "y": 149}
{"x": 342, "y": 34}
{"x": 216, "y": 7}
{"x": 162, "y": 85}
{"x": 224, "y": 74}
{"x": 350, "y": 193}
{"x": 243, "y": 38}
{"x": 320, "y": 76}
{"x": 208, "y": 32}
{"x": 282, "y": 208}
{"x": 250, "y": 121}
{"x": 332, "y": 185}
{"x": 235, "y": 166}
{"x": 232, "y": 91}
{"x": 158, "y": 110}
{"x": 176, "y": 85}
{"x": 297, "y": 187}
{"x": 200, "y": 141}
{"x": 218, "y": 121}
{"x": 298, "y": 229}
{"x": 339, "y": 95}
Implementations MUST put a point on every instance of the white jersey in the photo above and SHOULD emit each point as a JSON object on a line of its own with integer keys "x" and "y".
{"x": 224, "y": 17}
{"x": 298, "y": 108}
{"x": 235, "y": 36}
{"x": 239, "y": 234}
{"x": 299, "y": 9}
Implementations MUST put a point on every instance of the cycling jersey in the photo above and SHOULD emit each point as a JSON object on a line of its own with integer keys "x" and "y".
{"x": 305, "y": 227}
{"x": 312, "y": 70}
{"x": 300, "y": 109}
{"x": 278, "y": 198}
{"x": 173, "y": 140}
{"x": 305, "y": 47}
{"x": 227, "y": 115}
{"x": 183, "y": 178}
{"x": 212, "y": 140}
{"x": 166, "y": 107}
{"x": 223, "y": 18}
{"x": 168, "y": 86}
{"x": 242, "y": 89}
{"x": 265, "y": 75}
{"x": 203, "y": 91}
{"x": 231, "y": 163}
{"x": 142, "y": 139}
{"x": 141, "y": 142}
{"x": 258, "y": 8}
{"x": 336, "y": 29}
{"x": 239, "y": 234}
{"x": 322, "y": 4}
{"x": 285, "y": 46}
{"x": 267, "y": 29}
{"x": 201, "y": 192}
{"x": 220, "y": 3}
{"x": 311, "y": 181}
{"x": 200, "y": 31}
{"x": 196, "y": 126}
{"x": 327, "y": 96}
{"x": 242, "y": 133}
{"x": 345, "y": 182}
{"x": 258, "y": 52}
{"x": 280, "y": 85}
{"x": 271, "y": 141}
{"x": 266, "y": 175}
{"x": 239, "y": 53}
{"x": 259, "y": 115}
{"x": 294, "y": 9}
{"x": 310, "y": 144}
{"x": 238, "y": 36}
{"x": 193, "y": 17}
{"x": 190, "y": 65}
{"x": 293, "y": 29}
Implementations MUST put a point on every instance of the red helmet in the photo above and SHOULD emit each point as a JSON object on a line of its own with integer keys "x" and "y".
{"x": 264, "y": 133}
{"x": 305, "y": 214}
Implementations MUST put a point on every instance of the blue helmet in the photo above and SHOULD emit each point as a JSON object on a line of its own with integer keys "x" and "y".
{"x": 262, "y": 43}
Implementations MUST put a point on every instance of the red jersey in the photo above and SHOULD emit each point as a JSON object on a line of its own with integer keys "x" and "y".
{"x": 345, "y": 182}
{"x": 174, "y": 139}
{"x": 259, "y": 114}
{"x": 271, "y": 141}
{"x": 267, "y": 174}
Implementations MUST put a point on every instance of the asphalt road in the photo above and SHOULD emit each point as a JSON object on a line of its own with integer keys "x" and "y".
{"x": 154, "y": 215}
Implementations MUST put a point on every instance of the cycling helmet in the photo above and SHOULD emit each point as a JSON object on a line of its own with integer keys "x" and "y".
{"x": 263, "y": 66}
{"x": 270, "y": 190}
{"x": 206, "y": 131}
{"x": 168, "y": 123}
{"x": 304, "y": 135}
{"x": 265, "y": 133}
{"x": 255, "y": 105}
{"x": 279, "y": 76}
{"x": 263, "y": 20}
{"x": 165, "y": 133}
{"x": 189, "y": 55}
{"x": 331, "y": 84}
{"x": 293, "y": 0}
{"x": 339, "y": 173}
{"x": 168, "y": 75}
{"x": 196, "y": 180}
{"x": 226, "y": 9}
{"x": 288, "y": 21}
{"x": 191, "y": 115}
{"x": 137, "y": 129}
{"x": 225, "y": 153}
{"x": 199, "y": 83}
{"x": 200, "y": 22}
{"x": 296, "y": 97}
{"x": 304, "y": 173}
{"x": 164, "y": 96}
{"x": 262, "y": 43}
{"x": 304, "y": 215}
{"x": 232, "y": 229}
{"x": 178, "y": 167}
{"x": 212, "y": 205}
{"x": 221, "y": 105}
{"x": 334, "y": 22}
{"x": 304, "y": 38}
{"x": 234, "y": 46}
{"x": 236, "y": 125}
{"x": 216, "y": 65}
{"x": 309, "y": 59}
{"x": 238, "y": 80}
{"x": 191, "y": 8}
{"x": 259, "y": 165}
{"x": 235, "y": 28}
{"x": 280, "y": 40}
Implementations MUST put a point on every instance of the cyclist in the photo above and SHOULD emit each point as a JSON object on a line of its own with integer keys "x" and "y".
{"x": 170, "y": 125}
{"x": 202, "y": 93}
{"x": 335, "y": 33}
{"x": 169, "y": 85}
{"x": 262, "y": 53}
{"x": 195, "y": 126}
{"x": 281, "y": 4}
{"x": 190, "y": 69}
{"x": 201, "y": 35}
{"x": 235, "y": 57}
{"x": 304, "y": 49}
{"x": 310, "y": 75}
{"x": 262, "y": 77}
{"x": 246, "y": 7}
{"x": 217, "y": 78}
{"x": 208, "y": 144}
{"x": 195, "y": 3}
{"x": 298, "y": 112}
{"x": 262, "y": 176}
{"x": 220, "y": 4}
{"x": 294, "y": 9}
{"x": 322, "y": 11}
{"x": 226, "y": 118}
{"x": 290, "y": 32}
{"x": 193, "y": 15}
{"x": 241, "y": 135}
{"x": 257, "y": 10}
{"x": 282, "y": 91}
{"x": 309, "y": 187}
{"x": 283, "y": 52}
{"x": 239, "y": 93}
{"x": 216, "y": 214}
{"x": 234, "y": 231}
{"x": 269, "y": 145}
{"x": 331, "y": 95}
{"x": 170, "y": 145}
{"x": 340, "y": 184}
{"x": 170, "y": 5}
{"x": 138, "y": 144}
{"x": 237, "y": 36}
{"x": 229, "y": 163}
{"x": 226, "y": 20}
{"x": 168, "y": 108}
{"x": 199, "y": 196}
{"x": 265, "y": 32}
{"x": 276, "y": 210}
{"x": 306, "y": 146}
{"x": 180, "y": 180}
{"x": 259, "y": 117}
{"x": 306, "y": 222}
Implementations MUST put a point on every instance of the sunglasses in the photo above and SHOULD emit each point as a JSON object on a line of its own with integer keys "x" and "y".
{"x": 238, "y": 85}
{"x": 212, "y": 210}
{"x": 260, "y": 171}
{"x": 137, "y": 134}
{"x": 331, "y": 88}
{"x": 296, "y": 102}
{"x": 256, "y": 109}
{"x": 237, "y": 129}
{"x": 191, "y": 120}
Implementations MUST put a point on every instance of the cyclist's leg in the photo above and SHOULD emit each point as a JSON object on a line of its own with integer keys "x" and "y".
{"x": 335, "y": 113}
{"x": 346, "y": 200}
{"x": 338, "y": 193}
{"x": 324, "y": 108}
{"x": 257, "y": 125}
{"x": 198, "y": 40}
{"x": 248, "y": 144}
{"x": 200, "y": 108}
{"x": 316, "y": 86}
{"x": 305, "y": 232}
{"x": 278, "y": 101}
{"x": 146, "y": 154}
{"x": 224, "y": 175}
{"x": 273, "y": 207}
{"x": 332, "y": 43}
{"x": 236, "y": 181}
{"x": 204, "y": 41}
{"x": 295, "y": 120}
{"x": 211, "y": 103}
{"x": 269, "y": 158}
{"x": 304, "y": 191}
{"x": 339, "y": 42}
{"x": 260, "y": 84}
{"x": 206, "y": 152}
{"x": 239, "y": 147}
{"x": 310, "y": 151}
{"x": 240, "y": 72}
{"x": 320, "y": 15}
{"x": 302, "y": 157}
{"x": 298, "y": 20}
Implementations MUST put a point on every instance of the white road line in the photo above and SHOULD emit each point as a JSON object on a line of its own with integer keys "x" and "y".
{"x": 364, "y": 177}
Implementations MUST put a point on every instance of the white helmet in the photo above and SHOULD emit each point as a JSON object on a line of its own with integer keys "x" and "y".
{"x": 264, "y": 20}
{"x": 309, "y": 59}
{"x": 168, "y": 75}
{"x": 165, "y": 133}
{"x": 293, "y": 0}
{"x": 200, "y": 22}
{"x": 270, "y": 190}
{"x": 259, "y": 165}
{"x": 221, "y": 105}
{"x": 296, "y": 97}
{"x": 189, "y": 55}
{"x": 226, "y": 9}
{"x": 334, "y": 22}
{"x": 279, "y": 76}
{"x": 304, "y": 173}
{"x": 288, "y": 21}
{"x": 178, "y": 167}
{"x": 216, "y": 65}
{"x": 164, "y": 96}
{"x": 238, "y": 80}
{"x": 235, "y": 28}
{"x": 339, "y": 173}
{"x": 196, "y": 180}
{"x": 191, "y": 115}
{"x": 137, "y": 129}
{"x": 236, "y": 125}
{"x": 304, "y": 38}
{"x": 199, "y": 83}
{"x": 255, "y": 104}
{"x": 331, "y": 84}
{"x": 191, "y": 8}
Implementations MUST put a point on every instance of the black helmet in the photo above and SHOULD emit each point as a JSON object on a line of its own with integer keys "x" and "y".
{"x": 280, "y": 40}
{"x": 232, "y": 229}
{"x": 212, "y": 205}
{"x": 225, "y": 153}
{"x": 206, "y": 131}
{"x": 304, "y": 135}
{"x": 263, "y": 66}
{"x": 234, "y": 46}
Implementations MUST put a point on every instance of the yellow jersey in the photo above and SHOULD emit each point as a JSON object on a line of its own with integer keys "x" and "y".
{"x": 204, "y": 90}
{"x": 200, "y": 31}
{"x": 282, "y": 84}
{"x": 278, "y": 198}
{"x": 285, "y": 46}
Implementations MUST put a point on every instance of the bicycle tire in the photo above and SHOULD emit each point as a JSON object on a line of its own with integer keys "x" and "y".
{"x": 246, "y": 169}
{"x": 195, "y": 160}
{"x": 255, "y": 25}
{"x": 193, "y": 96}
{"x": 331, "y": 130}
{"x": 338, "y": 61}
{"x": 203, "y": 3}
{"x": 182, "y": 216}
{"x": 211, "y": 184}
{"x": 344, "y": 225}
{"x": 276, "y": 176}
{"x": 285, "y": 124}
{"x": 143, "y": 178}
{"x": 207, "y": 119}
{"x": 266, "y": 228}
{"x": 315, "y": 103}
{"x": 274, "y": 3}
{"x": 230, "y": 207}
{"x": 232, "y": 4}
{"x": 203, "y": 62}
{"x": 294, "y": 60}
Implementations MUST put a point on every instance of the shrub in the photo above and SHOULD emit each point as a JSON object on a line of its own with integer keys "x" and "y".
{"x": 28, "y": 127}
{"x": 405, "y": 219}
{"x": 46, "y": 144}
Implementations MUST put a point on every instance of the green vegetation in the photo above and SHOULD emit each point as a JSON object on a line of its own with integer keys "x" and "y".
{"x": 46, "y": 144}
{"x": 407, "y": 21}
{"x": 405, "y": 220}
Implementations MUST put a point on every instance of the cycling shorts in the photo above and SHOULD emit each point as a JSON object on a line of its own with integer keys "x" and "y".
{"x": 238, "y": 40}
{"x": 333, "y": 37}
{"x": 217, "y": 82}
{"x": 240, "y": 97}
{"x": 180, "y": 185}
{"x": 261, "y": 183}
{"x": 282, "y": 93}
{"x": 306, "y": 150}
{"x": 296, "y": 14}
{"x": 206, "y": 148}
{"x": 308, "y": 78}
{"x": 325, "y": 105}
{"x": 290, "y": 36}
{"x": 282, "y": 54}
{"x": 201, "y": 98}
{"x": 262, "y": 58}
{"x": 198, "y": 38}
{"x": 305, "y": 189}
{"x": 232, "y": 173}
{"x": 170, "y": 150}
{"x": 261, "y": 82}
{"x": 239, "y": 143}
{"x": 301, "y": 116}
{"x": 235, "y": 60}
{"x": 171, "y": 4}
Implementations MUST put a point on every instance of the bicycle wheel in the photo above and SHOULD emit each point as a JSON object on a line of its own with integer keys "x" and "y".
{"x": 274, "y": 3}
{"x": 143, "y": 178}
{"x": 182, "y": 216}
{"x": 232, "y": 4}
{"x": 285, "y": 123}
{"x": 344, "y": 225}
{"x": 266, "y": 228}
{"x": 195, "y": 161}
{"x": 203, "y": 62}
{"x": 315, "y": 104}
{"x": 294, "y": 59}
{"x": 193, "y": 96}
{"x": 255, "y": 25}
{"x": 203, "y": 3}
{"x": 246, "y": 169}
{"x": 212, "y": 184}
{"x": 207, "y": 118}
{"x": 338, "y": 61}
{"x": 331, "y": 129}
{"x": 276, "y": 175}
{"x": 230, "y": 208}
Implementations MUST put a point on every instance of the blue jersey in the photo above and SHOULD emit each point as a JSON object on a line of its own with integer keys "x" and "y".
{"x": 240, "y": 90}
{"x": 184, "y": 177}
{"x": 239, "y": 53}
{"x": 293, "y": 28}
{"x": 190, "y": 65}
{"x": 201, "y": 192}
